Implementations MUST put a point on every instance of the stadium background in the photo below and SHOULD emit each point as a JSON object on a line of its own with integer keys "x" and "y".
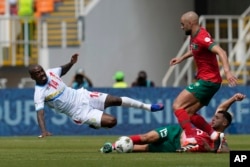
{"x": 134, "y": 35}
{"x": 18, "y": 116}
{"x": 129, "y": 35}
{"x": 123, "y": 35}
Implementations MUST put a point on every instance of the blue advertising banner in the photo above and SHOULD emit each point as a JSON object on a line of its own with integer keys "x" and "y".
{"x": 18, "y": 115}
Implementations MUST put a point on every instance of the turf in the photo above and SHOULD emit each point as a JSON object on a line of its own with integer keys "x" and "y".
{"x": 74, "y": 151}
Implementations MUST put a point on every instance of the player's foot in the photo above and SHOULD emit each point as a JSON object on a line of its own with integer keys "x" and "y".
{"x": 107, "y": 148}
{"x": 218, "y": 142}
{"x": 188, "y": 148}
{"x": 157, "y": 107}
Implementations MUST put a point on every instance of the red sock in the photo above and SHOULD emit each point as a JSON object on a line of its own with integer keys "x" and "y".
{"x": 184, "y": 121}
{"x": 113, "y": 146}
{"x": 136, "y": 139}
{"x": 198, "y": 121}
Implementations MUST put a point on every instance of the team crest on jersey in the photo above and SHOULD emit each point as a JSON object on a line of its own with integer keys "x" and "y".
{"x": 194, "y": 46}
{"x": 197, "y": 84}
{"x": 207, "y": 39}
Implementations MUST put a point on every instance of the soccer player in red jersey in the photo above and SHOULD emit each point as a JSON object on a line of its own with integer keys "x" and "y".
{"x": 204, "y": 51}
{"x": 172, "y": 138}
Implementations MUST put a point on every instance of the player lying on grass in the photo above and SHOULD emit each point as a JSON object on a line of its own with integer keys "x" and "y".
{"x": 83, "y": 106}
{"x": 171, "y": 138}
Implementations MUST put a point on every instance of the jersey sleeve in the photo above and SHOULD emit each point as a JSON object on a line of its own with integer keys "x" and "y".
{"x": 39, "y": 104}
{"x": 57, "y": 70}
{"x": 206, "y": 41}
{"x": 39, "y": 99}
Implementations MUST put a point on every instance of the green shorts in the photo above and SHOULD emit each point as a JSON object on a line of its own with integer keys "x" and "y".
{"x": 169, "y": 139}
{"x": 203, "y": 90}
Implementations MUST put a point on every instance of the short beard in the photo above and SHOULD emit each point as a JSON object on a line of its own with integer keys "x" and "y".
{"x": 188, "y": 32}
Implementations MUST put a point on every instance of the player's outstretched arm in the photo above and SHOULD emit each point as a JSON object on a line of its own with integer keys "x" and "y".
{"x": 224, "y": 148}
{"x": 66, "y": 67}
{"x": 41, "y": 123}
{"x": 178, "y": 60}
{"x": 225, "y": 64}
{"x": 226, "y": 104}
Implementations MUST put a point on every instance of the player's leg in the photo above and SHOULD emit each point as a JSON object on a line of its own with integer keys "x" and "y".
{"x": 185, "y": 105}
{"x": 169, "y": 139}
{"x": 199, "y": 122}
{"x": 96, "y": 119}
{"x": 198, "y": 94}
{"x": 90, "y": 110}
{"x": 109, "y": 147}
{"x": 205, "y": 92}
{"x": 140, "y": 142}
{"x": 149, "y": 137}
{"x": 140, "y": 148}
{"x": 108, "y": 121}
{"x": 165, "y": 133}
{"x": 129, "y": 102}
{"x": 101, "y": 101}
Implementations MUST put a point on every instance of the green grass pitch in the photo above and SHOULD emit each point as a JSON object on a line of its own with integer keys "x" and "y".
{"x": 74, "y": 151}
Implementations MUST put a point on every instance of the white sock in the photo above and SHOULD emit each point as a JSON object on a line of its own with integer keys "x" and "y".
{"x": 128, "y": 102}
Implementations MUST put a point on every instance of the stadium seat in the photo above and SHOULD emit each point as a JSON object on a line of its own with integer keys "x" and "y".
{"x": 43, "y": 7}
{"x": 2, "y": 7}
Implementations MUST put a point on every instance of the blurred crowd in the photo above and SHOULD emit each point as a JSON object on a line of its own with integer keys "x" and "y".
{"x": 29, "y": 7}
{"x": 36, "y": 8}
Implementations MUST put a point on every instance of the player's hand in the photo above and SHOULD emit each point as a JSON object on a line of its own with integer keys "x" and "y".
{"x": 239, "y": 96}
{"x": 74, "y": 58}
{"x": 175, "y": 61}
{"x": 223, "y": 149}
{"x": 44, "y": 134}
{"x": 232, "y": 80}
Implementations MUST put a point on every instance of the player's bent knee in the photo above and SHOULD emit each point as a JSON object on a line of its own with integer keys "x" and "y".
{"x": 110, "y": 122}
{"x": 175, "y": 107}
{"x": 113, "y": 122}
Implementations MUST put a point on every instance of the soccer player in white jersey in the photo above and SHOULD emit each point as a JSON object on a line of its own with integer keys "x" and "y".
{"x": 83, "y": 106}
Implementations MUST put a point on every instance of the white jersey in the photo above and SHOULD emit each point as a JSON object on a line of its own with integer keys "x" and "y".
{"x": 56, "y": 94}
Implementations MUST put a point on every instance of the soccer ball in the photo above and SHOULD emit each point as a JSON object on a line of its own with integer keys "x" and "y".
{"x": 124, "y": 145}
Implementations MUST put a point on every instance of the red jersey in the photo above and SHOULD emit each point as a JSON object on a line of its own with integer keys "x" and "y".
{"x": 200, "y": 137}
{"x": 205, "y": 60}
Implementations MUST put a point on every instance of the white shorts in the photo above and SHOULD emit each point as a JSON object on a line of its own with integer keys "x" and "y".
{"x": 95, "y": 111}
